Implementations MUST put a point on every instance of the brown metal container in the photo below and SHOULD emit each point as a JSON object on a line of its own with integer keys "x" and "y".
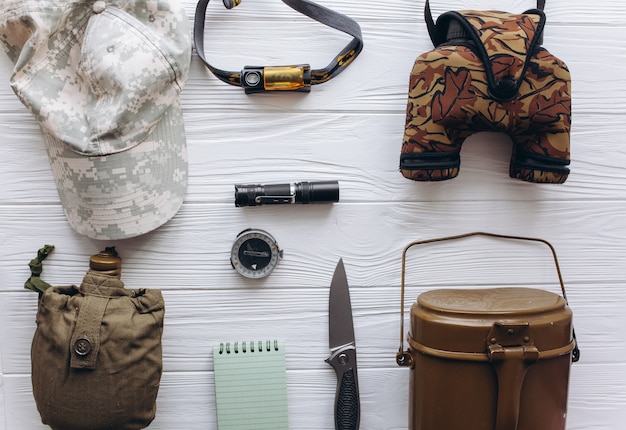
{"x": 491, "y": 358}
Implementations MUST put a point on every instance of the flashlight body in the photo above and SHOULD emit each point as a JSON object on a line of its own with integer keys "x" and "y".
{"x": 298, "y": 192}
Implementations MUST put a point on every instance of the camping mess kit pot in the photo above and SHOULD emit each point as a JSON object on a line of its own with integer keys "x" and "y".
{"x": 488, "y": 358}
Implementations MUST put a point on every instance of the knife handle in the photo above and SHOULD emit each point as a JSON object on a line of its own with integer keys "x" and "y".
{"x": 347, "y": 409}
{"x": 347, "y": 404}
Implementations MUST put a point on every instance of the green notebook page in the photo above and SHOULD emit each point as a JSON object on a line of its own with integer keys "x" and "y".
{"x": 251, "y": 385}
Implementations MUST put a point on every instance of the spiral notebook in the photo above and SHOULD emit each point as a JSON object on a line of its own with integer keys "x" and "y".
{"x": 251, "y": 385}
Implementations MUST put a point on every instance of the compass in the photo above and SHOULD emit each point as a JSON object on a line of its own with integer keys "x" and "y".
{"x": 255, "y": 253}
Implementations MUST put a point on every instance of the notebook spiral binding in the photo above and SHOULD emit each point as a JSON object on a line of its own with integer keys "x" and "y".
{"x": 245, "y": 347}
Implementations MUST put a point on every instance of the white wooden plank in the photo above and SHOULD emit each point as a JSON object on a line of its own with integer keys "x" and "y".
{"x": 378, "y": 78}
{"x": 186, "y": 400}
{"x": 2, "y": 401}
{"x": 348, "y": 129}
{"x": 609, "y": 12}
{"x": 21, "y": 411}
{"x": 198, "y": 242}
{"x": 361, "y": 151}
{"x": 197, "y": 320}
{"x": 371, "y": 142}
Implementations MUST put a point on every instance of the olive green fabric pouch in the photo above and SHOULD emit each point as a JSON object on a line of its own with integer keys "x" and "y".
{"x": 97, "y": 356}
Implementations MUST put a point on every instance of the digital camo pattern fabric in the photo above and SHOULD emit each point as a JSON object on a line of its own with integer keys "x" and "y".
{"x": 103, "y": 80}
{"x": 490, "y": 75}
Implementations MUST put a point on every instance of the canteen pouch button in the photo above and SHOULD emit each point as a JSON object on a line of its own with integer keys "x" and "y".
{"x": 276, "y": 78}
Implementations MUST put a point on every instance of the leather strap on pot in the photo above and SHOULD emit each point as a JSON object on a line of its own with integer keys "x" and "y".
{"x": 403, "y": 358}
{"x": 285, "y": 78}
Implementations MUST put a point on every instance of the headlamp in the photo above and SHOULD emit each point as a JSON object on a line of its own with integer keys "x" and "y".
{"x": 255, "y": 79}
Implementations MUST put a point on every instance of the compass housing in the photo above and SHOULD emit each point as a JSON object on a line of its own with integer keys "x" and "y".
{"x": 255, "y": 253}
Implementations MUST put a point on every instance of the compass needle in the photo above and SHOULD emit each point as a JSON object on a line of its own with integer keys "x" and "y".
{"x": 255, "y": 253}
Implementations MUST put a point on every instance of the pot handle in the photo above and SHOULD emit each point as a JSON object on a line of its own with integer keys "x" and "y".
{"x": 403, "y": 358}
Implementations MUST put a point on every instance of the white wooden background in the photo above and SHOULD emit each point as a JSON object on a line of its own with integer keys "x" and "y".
{"x": 349, "y": 129}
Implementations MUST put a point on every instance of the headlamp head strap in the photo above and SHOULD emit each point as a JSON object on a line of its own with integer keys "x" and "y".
{"x": 256, "y": 79}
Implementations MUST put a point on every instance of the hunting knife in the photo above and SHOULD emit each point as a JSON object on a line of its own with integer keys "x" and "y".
{"x": 343, "y": 352}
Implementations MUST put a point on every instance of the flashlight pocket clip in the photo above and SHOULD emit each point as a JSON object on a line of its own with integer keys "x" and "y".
{"x": 274, "y": 200}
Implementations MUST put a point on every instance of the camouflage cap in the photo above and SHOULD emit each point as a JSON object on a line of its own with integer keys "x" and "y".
{"x": 103, "y": 80}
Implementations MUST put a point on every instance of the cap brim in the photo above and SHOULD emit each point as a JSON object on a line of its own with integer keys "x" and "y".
{"x": 125, "y": 194}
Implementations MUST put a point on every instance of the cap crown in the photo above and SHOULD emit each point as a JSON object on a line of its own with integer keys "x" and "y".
{"x": 99, "y": 75}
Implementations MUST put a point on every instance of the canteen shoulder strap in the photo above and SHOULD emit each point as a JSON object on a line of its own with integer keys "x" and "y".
{"x": 35, "y": 283}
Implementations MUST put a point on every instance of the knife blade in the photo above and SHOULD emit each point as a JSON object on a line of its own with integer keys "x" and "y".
{"x": 343, "y": 352}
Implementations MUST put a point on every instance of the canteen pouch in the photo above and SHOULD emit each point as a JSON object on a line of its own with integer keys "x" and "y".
{"x": 96, "y": 355}
{"x": 489, "y": 358}
{"x": 488, "y": 72}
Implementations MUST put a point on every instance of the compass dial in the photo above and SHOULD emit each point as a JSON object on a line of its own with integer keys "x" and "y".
{"x": 255, "y": 253}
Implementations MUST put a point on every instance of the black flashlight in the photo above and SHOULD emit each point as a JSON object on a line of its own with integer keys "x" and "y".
{"x": 299, "y": 192}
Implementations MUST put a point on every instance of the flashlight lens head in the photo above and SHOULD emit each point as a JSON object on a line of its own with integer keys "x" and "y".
{"x": 317, "y": 192}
